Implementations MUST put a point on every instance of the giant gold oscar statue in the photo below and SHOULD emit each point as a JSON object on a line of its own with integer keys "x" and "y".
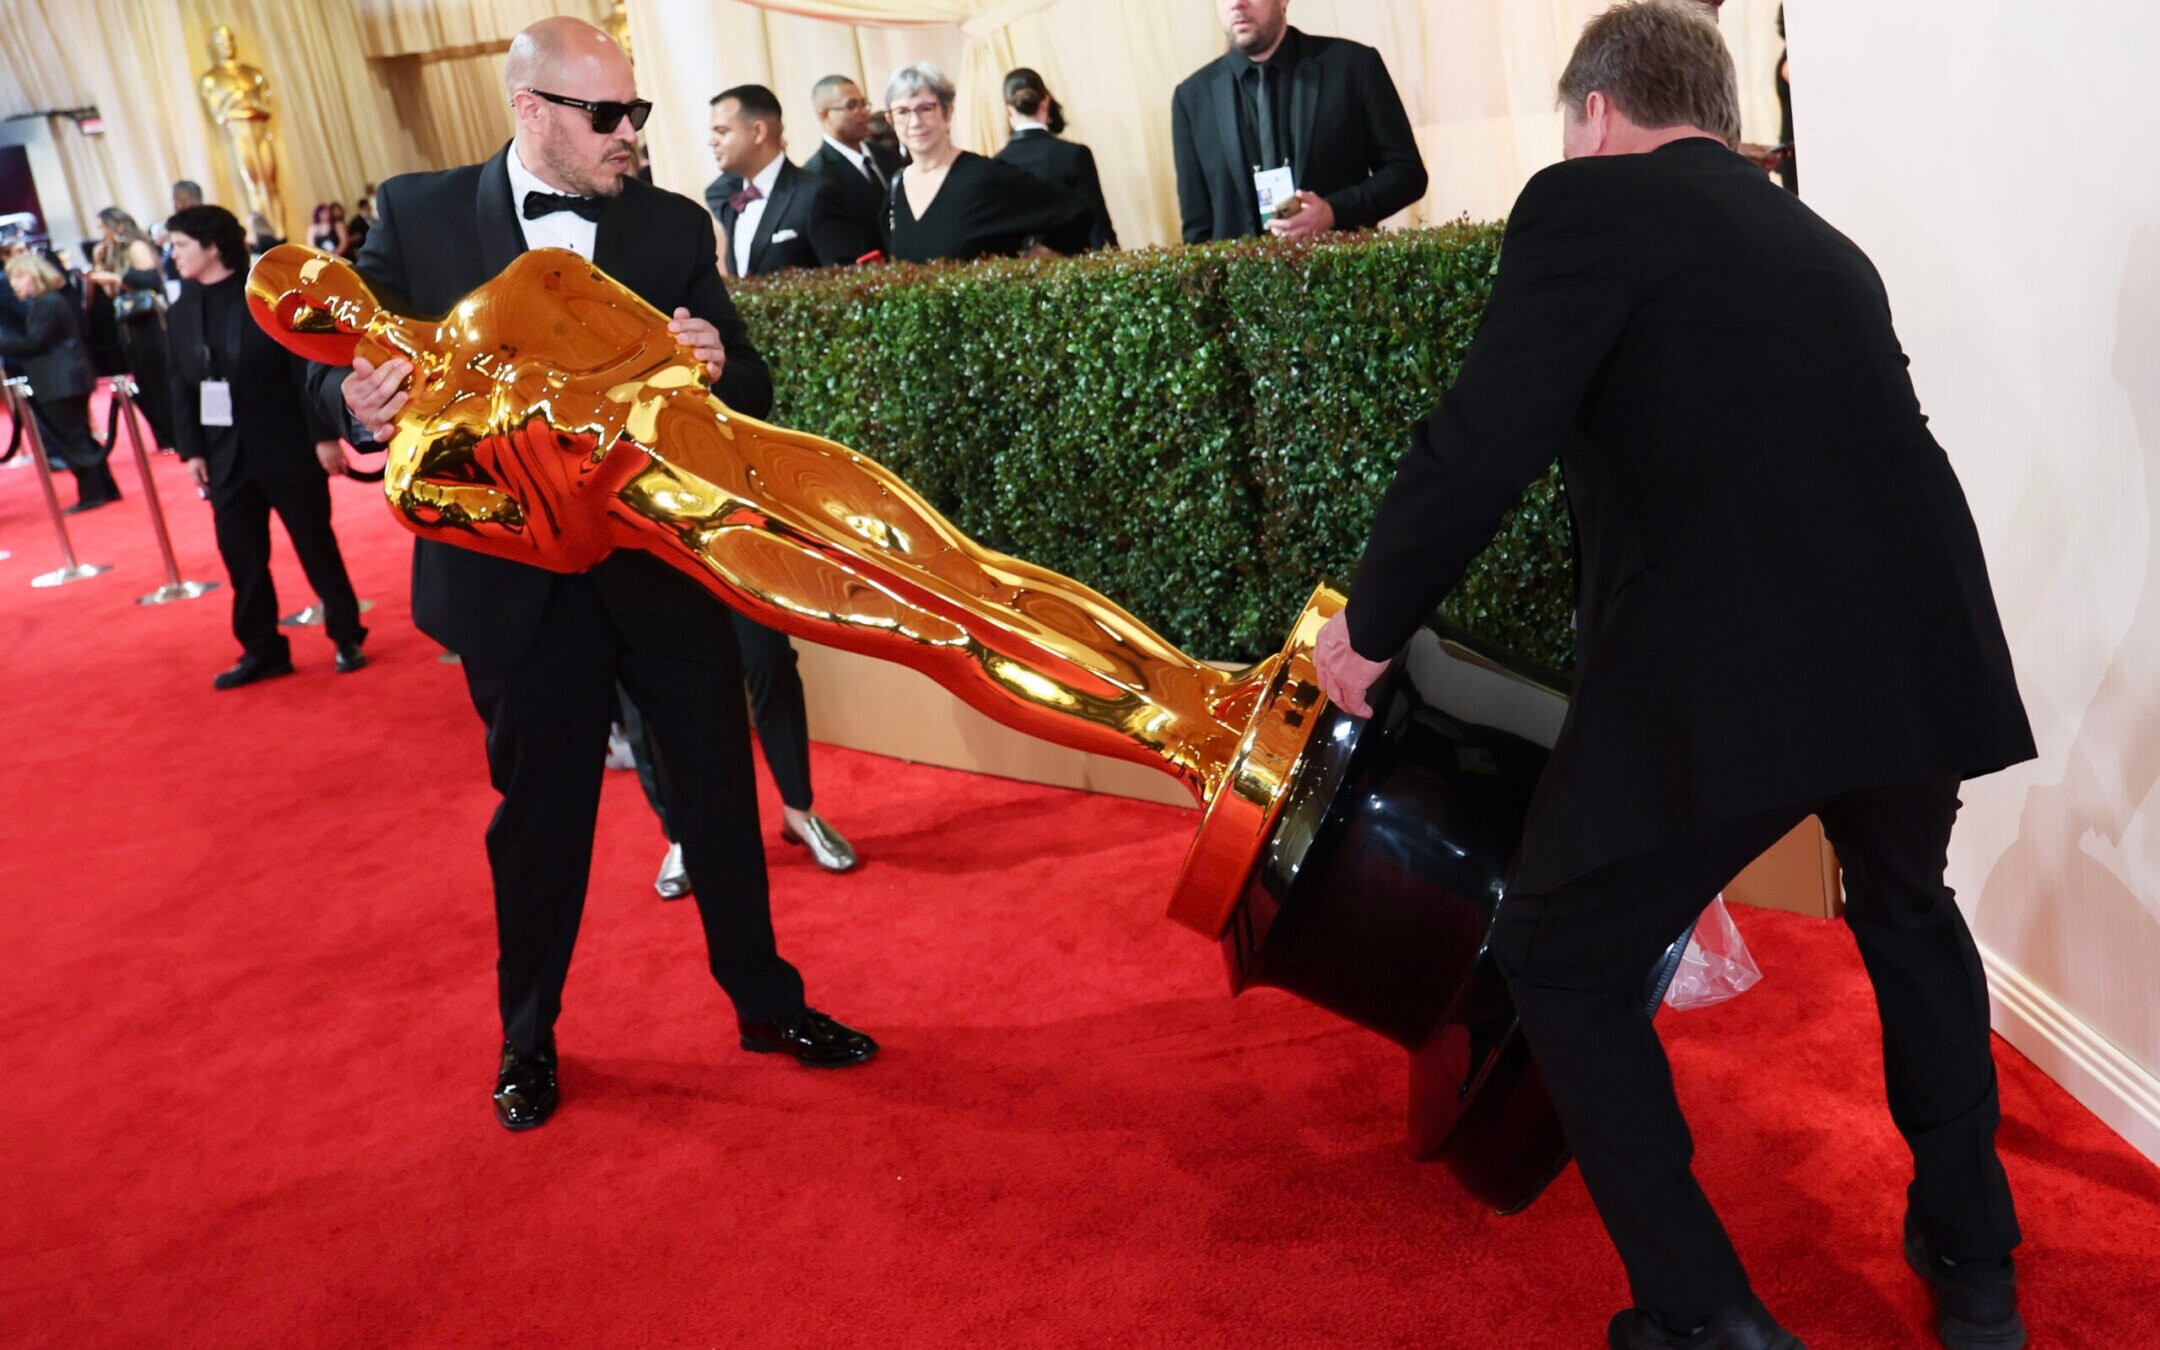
{"x": 552, "y": 419}
{"x": 237, "y": 96}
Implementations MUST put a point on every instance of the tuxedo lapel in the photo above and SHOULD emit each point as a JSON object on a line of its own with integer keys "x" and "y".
{"x": 775, "y": 206}
{"x": 502, "y": 239}
{"x": 1226, "y": 119}
{"x": 1304, "y": 108}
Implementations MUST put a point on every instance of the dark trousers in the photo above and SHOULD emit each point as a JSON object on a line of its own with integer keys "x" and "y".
{"x": 242, "y": 513}
{"x": 547, "y": 719}
{"x": 70, "y": 444}
{"x": 776, "y": 702}
{"x": 1576, "y": 961}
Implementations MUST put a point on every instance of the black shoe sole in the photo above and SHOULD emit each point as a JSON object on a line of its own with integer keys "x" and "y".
{"x": 761, "y": 1048}
{"x": 1955, "y": 1333}
{"x": 274, "y": 673}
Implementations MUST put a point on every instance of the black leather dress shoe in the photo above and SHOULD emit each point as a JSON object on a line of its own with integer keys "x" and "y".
{"x": 350, "y": 658}
{"x": 251, "y": 669}
{"x": 1747, "y": 1327}
{"x": 815, "y": 1040}
{"x": 1976, "y": 1304}
{"x": 525, "y": 1091}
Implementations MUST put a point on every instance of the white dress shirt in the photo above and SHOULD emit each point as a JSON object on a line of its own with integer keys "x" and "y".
{"x": 861, "y": 159}
{"x": 746, "y": 224}
{"x": 1020, "y": 124}
{"x": 557, "y": 229}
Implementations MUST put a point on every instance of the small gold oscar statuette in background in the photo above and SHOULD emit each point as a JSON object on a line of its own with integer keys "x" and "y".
{"x": 237, "y": 96}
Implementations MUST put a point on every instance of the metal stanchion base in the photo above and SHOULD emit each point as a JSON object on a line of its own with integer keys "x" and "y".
{"x": 62, "y": 576}
{"x": 177, "y": 590}
{"x": 312, "y": 616}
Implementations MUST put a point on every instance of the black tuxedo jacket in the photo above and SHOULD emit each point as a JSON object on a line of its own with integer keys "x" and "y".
{"x": 51, "y": 347}
{"x": 1350, "y": 141}
{"x": 1068, "y": 165}
{"x": 863, "y": 199}
{"x": 438, "y": 236}
{"x": 824, "y": 232}
{"x": 276, "y": 422}
{"x": 1782, "y": 594}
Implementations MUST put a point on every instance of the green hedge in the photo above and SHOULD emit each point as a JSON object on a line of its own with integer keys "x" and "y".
{"x": 1199, "y": 433}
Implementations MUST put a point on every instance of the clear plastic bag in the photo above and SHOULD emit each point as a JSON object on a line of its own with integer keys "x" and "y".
{"x": 1716, "y": 965}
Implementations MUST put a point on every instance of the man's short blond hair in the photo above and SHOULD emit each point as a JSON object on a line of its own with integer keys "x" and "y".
{"x": 1663, "y": 63}
{"x": 31, "y": 263}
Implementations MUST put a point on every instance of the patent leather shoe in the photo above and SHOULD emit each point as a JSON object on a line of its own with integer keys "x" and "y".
{"x": 1976, "y": 1302}
{"x": 1747, "y": 1327}
{"x": 827, "y": 848}
{"x": 673, "y": 883}
{"x": 252, "y": 669}
{"x": 350, "y": 658}
{"x": 525, "y": 1091}
{"x": 815, "y": 1040}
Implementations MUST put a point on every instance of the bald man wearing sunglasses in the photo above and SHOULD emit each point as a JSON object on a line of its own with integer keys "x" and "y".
{"x": 543, "y": 652}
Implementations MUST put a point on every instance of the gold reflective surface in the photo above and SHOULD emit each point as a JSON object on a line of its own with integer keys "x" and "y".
{"x": 553, "y": 419}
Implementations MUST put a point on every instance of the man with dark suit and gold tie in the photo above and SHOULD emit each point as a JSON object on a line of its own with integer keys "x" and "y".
{"x": 544, "y": 652}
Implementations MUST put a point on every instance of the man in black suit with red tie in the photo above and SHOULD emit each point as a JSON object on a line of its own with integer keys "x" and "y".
{"x": 1784, "y": 610}
{"x": 543, "y": 652}
{"x": 775, "y": 215}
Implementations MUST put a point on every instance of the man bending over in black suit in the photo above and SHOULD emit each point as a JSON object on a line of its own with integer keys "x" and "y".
{"x": 543, "y": 652}
{"x": 1289, "y": 134}
{"x": 1784, "y": 611}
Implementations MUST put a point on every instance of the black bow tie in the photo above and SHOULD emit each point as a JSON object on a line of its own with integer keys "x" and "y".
{"x": 538, "y": 204}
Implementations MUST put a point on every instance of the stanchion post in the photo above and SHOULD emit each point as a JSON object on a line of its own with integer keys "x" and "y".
{"x": 123, "y": 392}
{"x": 18, "y": 397}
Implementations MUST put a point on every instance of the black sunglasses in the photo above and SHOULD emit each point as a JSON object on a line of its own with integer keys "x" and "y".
{"x": 605, "y": 116}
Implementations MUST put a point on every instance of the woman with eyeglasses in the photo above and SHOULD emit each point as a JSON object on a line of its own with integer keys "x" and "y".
{"x": 1038, "y": 145}
{"x": 953, "y": 203}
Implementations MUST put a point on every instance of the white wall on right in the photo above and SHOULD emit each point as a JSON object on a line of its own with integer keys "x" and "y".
{"x": 2000, "y": 161}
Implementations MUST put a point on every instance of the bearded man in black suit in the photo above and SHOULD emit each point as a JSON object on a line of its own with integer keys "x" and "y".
{"x": 1784, "y": 610}
{"x": 543, "y": 652}
{"x": 1315, "y": 121}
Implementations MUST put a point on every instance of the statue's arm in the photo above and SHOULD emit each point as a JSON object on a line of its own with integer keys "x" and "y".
{"x": 382, "y": 263}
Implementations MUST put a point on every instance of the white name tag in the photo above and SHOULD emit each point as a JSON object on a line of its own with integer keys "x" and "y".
{"x": 216, "y": 403}
{"x": 1273, "y": 187}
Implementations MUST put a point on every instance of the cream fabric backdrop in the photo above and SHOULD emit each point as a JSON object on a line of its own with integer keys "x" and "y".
{"x": 1476, "y": 76}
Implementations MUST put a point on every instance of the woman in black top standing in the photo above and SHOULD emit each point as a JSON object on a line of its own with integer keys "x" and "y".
{"x": 249, "y": 432}
{"x": 1037, "y": 145}
{"x": 953, "y": 203}
{"x": 125, "y": 267}
{"x": 61, "y": 379}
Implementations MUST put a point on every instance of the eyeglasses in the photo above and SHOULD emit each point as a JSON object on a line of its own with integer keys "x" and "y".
{"x": 847, "y": 105}
{"x": 915, "y": 110}
{"x": 607, "y": 115}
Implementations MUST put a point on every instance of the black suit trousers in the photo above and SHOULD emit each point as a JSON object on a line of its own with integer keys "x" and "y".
{"x": 64, "y": 423}
{"x": 1577, "y": 958}
{"x": 777, "y": 706}
{"x": 242, "y": 510}
{"x": 547, "y": 717}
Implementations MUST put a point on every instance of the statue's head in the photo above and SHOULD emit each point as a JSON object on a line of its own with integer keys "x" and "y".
{"x": 222, "y": 45}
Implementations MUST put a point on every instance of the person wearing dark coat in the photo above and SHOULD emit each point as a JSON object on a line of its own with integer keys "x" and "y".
{"x": 775, "y": 216}
{"x": 1784, "y": 610}
{"x": 249, "y": 431}
{"x": 1037, "y": 145}
{"x": 861, "y": 167}
{"x": 1323, "y": 108}
{"x": 544, "y": 653}
{"x": 126, "y": 269}
{"x": 61, "y": 379}
{"x": 954, "y": 204}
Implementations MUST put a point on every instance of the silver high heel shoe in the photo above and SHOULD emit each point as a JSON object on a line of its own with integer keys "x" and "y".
{"x": 673, "y": 883}
{"x": 827, "y": 847}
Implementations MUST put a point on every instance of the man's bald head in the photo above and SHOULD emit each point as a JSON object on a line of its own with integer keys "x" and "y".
{"x": 556, "y": 49}
{"x": 559, "y": 59}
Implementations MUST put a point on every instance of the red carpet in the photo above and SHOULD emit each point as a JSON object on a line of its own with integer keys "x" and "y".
{"x": 249, "y": 1033}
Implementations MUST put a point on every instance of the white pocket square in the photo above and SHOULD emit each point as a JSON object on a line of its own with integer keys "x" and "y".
{"x": 782, "y": 236}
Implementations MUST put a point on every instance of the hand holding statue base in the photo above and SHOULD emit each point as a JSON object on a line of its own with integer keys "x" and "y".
{"x": 552, "y": 419}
